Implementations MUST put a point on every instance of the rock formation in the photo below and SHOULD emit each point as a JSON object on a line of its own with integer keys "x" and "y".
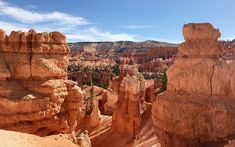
{"x": 153, "y": 87}
{"x": 92, "y": 120}
{"x": 150, "y": 55}
{"x": 198, "y": 107}
{"x": 105, "y": 135}
{"x": 130, "y": 89}
{"x": 35, "y": 96}
{"x": 100, "y": 71}
{"x": 83, "y": 139}
{"x": 231, "y": 143}
{"x": 229, "y": 50}
{"x": 108, "y": 101}
{"x": 105, "y": 99}
{"x": 121, "y": 47}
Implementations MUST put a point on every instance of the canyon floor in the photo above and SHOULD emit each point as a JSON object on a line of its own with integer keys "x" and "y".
{"x": 106, "y": 135}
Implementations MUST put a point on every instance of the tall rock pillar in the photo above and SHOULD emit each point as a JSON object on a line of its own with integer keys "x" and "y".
{"x": 198, "y": 107}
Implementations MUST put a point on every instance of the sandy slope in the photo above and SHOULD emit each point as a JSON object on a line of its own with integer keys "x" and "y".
{"x": 16, "y": 139}
{"x": 106, "y": 136}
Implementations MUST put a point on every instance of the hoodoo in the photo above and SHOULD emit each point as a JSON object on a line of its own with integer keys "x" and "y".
{"x": 198, "y": 107}
{"x": 130, "y": 88}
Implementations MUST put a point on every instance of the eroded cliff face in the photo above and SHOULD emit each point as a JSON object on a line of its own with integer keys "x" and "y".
{"x": 35, "y": 96}
{"x": 121, "y": 47}
{"x": 198, "y": 106}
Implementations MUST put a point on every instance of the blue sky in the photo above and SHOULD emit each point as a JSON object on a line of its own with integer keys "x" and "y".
{"x": 113, "y": 20}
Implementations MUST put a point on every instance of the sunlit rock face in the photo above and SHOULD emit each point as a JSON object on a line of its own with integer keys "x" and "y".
{"x": 31, "y": 55}
{"x": 198, "y": 107}
{"x": 153, "y": 87}
{"x": 130, "y": 104}
{"x": 201, "y": 40}
{"x": 35, "y": 96}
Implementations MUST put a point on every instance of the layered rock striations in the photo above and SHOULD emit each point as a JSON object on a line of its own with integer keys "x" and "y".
{"x": 129, "y": 107}
{"x": 198, "y": 107}
{"x": 31, "y": 55}
{"x": 121, "y": 47}
{"x": 35, "y": 96}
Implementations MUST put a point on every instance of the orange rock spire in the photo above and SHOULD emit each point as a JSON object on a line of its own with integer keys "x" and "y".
{"x": 199, "y": 105}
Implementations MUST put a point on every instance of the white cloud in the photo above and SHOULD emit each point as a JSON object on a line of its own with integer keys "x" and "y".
{"x": 164, "y": 40}
{"x": 75, "y": 28}
{"x": 75, "y": 38}
{"x": 227, "y": 38}
{"x": 8, "y": 27}
{"x": 137, "y": 26}
{"x": 90, "y": 34}
{"x": 29, "y": 17}
{"x": 94, "y": 34}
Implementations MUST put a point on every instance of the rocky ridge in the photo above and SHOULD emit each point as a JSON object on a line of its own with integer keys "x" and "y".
{"x": 120, "y": 46}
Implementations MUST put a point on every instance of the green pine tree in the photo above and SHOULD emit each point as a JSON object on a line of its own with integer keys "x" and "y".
{"x": 164, "y": 82}
{"x": 89, "y": 100}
